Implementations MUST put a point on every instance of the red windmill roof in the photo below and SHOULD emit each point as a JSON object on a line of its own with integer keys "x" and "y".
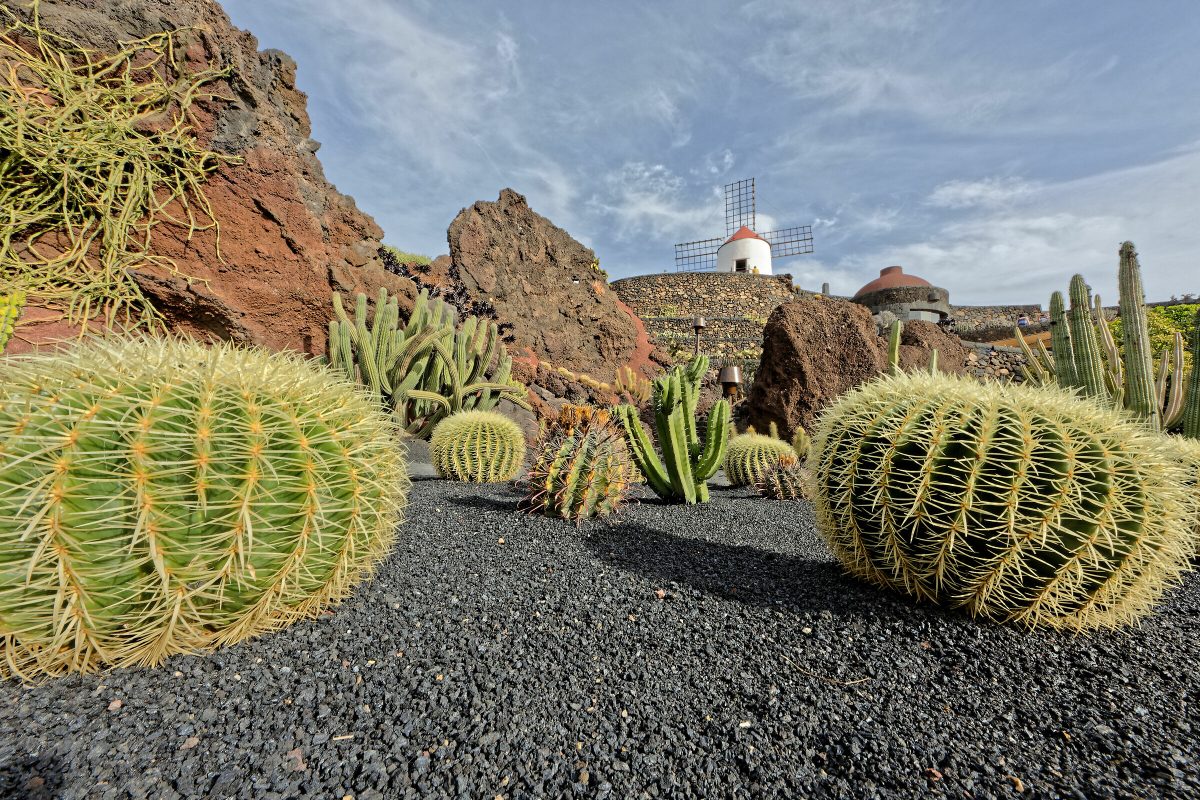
{"x": 891, "y": 278}
{"x": 744, "y": 233}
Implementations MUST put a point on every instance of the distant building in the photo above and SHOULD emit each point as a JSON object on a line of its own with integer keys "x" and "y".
{"x": 745, "y": 251}
{"x": 905, "y": 296}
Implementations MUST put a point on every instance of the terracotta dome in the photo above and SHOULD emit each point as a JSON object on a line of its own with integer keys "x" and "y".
{"x": 891, "y": 278}
{"x": 743, "y": 233}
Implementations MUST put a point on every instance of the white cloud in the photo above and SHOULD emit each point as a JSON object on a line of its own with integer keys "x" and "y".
{"x": 987, "y": 193}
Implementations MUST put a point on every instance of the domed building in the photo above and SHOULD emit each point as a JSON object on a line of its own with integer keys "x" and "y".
{"x": 745, "y": 251}
{"x": 905, "y": 296}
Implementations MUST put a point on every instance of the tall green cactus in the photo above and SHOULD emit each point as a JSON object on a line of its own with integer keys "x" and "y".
{"x": 1141, "y": 397}
{"x": 426, "y": 370}
{"x": 161, "y": 497}
{"x": 1089, "y": 363}
{"x": 1060, "y": 340}
{"x": 1017, "y": 503}
{"x": 687, "y": 463}
{"x": 1191, "y": 406}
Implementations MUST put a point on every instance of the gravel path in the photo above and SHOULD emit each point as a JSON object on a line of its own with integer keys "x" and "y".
{"x": 712, "y": 651}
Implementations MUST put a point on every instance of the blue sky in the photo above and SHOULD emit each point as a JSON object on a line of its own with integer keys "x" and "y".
{"x": 993, "y": 148}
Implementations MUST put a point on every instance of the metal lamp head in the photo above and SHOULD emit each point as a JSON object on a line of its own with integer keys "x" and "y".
{"x": 730, "y": 379}
{"x": 699, "y": 324}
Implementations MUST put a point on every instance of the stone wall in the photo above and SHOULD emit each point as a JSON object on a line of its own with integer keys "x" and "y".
{"x": 994, "y": 361}
{"x": 735, "y": 306}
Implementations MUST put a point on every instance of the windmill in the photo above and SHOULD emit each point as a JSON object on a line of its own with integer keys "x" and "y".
{"x": 742, "y": 249}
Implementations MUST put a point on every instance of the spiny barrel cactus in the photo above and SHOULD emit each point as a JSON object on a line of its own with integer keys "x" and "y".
{"x": 749, "y": 455}
{"x": 581, "y": 474}
{"x": 10, "y": 309}
{"x": 572, "y": 418}
{"x": 1019, "y": 504}
{"x": 477, "y": 446}
{"x": 687, "y": 463}
{"x": 786, "y": 480}
{"x": 162, "y": 497}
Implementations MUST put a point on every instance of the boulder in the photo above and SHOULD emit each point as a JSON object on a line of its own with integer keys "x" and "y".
{"x": 288, "y": 239}
{"x": 817, "y": 348}
{"x": 543, "y": 287}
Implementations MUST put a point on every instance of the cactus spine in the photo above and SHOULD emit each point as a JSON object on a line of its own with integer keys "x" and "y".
{"x": 161, "y": 497}
{"x": 687, "y": 463}
{"x": 748, "y": 456}
{"x": 10, "y": 309}
{"x": 1022, "y": 504}
{"x": 584, "y": 473}
{"x": 477, "y": 446}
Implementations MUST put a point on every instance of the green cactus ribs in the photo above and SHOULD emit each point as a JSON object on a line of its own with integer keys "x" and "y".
{"x": 749, "y": 456}
{"x": 687, "y": 464}
{"x": 580, "y": 474}
{"x": 477, "y": 446}
{"x": 162, "y": 497}
{"x": 1019, "y": 504}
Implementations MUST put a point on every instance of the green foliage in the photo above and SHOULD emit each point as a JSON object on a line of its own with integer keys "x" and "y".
{"x": 426, "y": 370}
{"x": 1163, "y": 322}
{"x": 162, "y": 497}
{"x": 748, "y": 456}
{"x": 10, "y": 308}
{"x": 477, "y": 446}
{"x": 97, "y": 149}
{"x": 687, "y": 463}
{"x": 408, "y": 258}
{"x": 1019, "y": 504}
{"x": 786, "y": 480}
{"x": 581, "y": 474}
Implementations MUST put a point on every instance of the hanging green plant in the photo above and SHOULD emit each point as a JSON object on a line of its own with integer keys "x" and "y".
{"x": 96, "y": 150}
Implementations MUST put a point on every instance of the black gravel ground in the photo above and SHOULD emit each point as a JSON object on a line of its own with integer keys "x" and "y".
{"x": 712, "y": 651}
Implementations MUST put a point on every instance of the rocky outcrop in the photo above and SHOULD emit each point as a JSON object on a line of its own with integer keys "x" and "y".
{"x": 817, "y": 348}
{"x": 288, "y": 239}
{"x": 544, "y": 289}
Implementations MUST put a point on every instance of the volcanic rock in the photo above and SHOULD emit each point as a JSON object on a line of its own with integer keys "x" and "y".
{"x": 816, "y": 348}
{"x": 542, "y": 286}
{"x": 288, "y": 239}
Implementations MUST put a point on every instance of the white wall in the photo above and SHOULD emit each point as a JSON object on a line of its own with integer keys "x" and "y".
{"x": 756, "y": 252}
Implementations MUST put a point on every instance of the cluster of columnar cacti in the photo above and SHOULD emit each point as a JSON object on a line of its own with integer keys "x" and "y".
{"x": 1086, "y": 356}
{"x": 572, "y": 417}
{"x": 477, "y": 446}
{"x": 749, "y": 455}
{"x": 1022, "y": 504}
{"x": 10, "y": 309}
{"x": 632, "y": 388}
{"x": 162, "y": 497}
{"x": 428, "y": 369}
{"x": 580, "y": 470}
{"x": 687, "y": 463}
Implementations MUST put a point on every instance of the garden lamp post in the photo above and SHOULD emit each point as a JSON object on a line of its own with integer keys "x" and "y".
{"x": 730, "y": 379}
{"x": 698, "y": 324}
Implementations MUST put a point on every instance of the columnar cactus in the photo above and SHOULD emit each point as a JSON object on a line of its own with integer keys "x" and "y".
{"x": 749, "y": 455}
{"x": 584, "y": 473}
{"x": 1187, "y": 451}
{"x": 1089, "y": 363}
{"x": 1190, "y": 416}
{"x": 477, "y": 446}
{"x": 161, "y": 497}
{"x": 1021, "y": 504}
{"x": 1141, "y": 397}
{"x": 786, "y": 480}
{"x": 687, "y": 463}
{"x": 801, "y": 444}
{"x": 426, "y": 370}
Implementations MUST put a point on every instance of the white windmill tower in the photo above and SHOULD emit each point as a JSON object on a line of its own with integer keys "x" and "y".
{"x": 742, "y": 249}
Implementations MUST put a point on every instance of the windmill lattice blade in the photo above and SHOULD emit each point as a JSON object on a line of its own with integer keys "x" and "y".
{"x": 796, "y": 241}
{"x": 739, "y": 205}
{"x": 697, "y": 256}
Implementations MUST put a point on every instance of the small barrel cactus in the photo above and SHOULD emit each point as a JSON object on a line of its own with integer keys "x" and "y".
{"x": 585, "y": 473}
{"x": 786, "y": 480}
{"x": 749, "y": 455}
{"x": 477, "y": 446}
{"x": 1019, "y": 504}
{"x": 10, "y": 309}
{"x": 161, "y": 497}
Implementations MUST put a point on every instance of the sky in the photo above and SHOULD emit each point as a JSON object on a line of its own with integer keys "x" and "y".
{"x": 992, "y": 148}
